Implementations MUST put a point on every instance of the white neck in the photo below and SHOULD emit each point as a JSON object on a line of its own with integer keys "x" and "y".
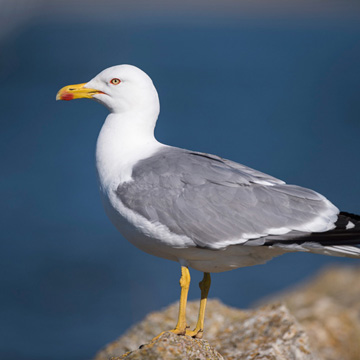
{"x": 124, "y": 139}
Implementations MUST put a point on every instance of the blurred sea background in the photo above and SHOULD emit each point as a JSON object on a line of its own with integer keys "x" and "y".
{"x": 274, "y": 85}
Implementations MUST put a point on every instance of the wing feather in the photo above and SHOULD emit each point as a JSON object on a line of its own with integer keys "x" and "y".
{"x": 217, "y": 202}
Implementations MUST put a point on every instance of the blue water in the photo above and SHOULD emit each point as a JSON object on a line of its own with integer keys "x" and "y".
{"x": 282, "y": 97}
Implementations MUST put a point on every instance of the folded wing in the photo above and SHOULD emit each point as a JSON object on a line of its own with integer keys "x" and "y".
{"x": 217, "y": 202}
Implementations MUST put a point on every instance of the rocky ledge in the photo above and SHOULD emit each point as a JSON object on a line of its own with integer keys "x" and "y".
{"x": 319, "y": 320}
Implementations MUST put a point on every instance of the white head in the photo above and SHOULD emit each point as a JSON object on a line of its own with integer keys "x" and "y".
{"x": 122, "y": 89}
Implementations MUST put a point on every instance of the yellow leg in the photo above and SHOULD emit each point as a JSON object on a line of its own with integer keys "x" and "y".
{"x": 204, "y": 287}
{"x": 180, "y": 328}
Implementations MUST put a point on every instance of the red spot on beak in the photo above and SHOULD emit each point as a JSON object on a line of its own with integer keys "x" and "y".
{"x": 67, "y": 96}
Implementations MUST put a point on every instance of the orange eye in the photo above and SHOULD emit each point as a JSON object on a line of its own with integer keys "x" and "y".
{"x": 115, "y": 81}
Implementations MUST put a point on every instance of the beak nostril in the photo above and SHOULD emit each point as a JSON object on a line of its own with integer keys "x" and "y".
{"x": 71, "y": 89}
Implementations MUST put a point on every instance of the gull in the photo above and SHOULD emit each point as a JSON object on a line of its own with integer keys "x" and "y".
{"x": 203, "y": 211}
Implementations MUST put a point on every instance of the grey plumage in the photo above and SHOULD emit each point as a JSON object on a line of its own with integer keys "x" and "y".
{"x": 217, "y": 202}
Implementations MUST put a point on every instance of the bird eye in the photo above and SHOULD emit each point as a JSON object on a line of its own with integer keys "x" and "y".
{"x": 115, "y": 81}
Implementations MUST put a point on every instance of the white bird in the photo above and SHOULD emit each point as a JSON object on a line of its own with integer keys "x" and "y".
{"x": 198, "y": 209}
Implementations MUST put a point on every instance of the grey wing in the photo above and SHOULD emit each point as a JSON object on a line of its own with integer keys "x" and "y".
{"x": 218, "y": 203}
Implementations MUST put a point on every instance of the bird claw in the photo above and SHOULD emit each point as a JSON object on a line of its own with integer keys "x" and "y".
{"x": 196, "y": 333}
{"x": 174, "y": 331}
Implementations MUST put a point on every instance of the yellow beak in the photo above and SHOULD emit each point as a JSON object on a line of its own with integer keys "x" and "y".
{"x": 77, "y": 91}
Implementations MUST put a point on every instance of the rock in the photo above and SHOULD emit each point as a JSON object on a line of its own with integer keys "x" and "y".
{"x": 171, "y": 346}
{"x": 328, "y": 308}
{"x": 319, "y": 320}
{"x": 268, "y": 333}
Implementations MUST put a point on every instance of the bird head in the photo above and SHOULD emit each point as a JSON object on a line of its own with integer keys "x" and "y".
{"x": 120, "y": 88}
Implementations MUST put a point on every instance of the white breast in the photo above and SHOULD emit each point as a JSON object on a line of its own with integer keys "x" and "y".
{"x": 122, "y": 144}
